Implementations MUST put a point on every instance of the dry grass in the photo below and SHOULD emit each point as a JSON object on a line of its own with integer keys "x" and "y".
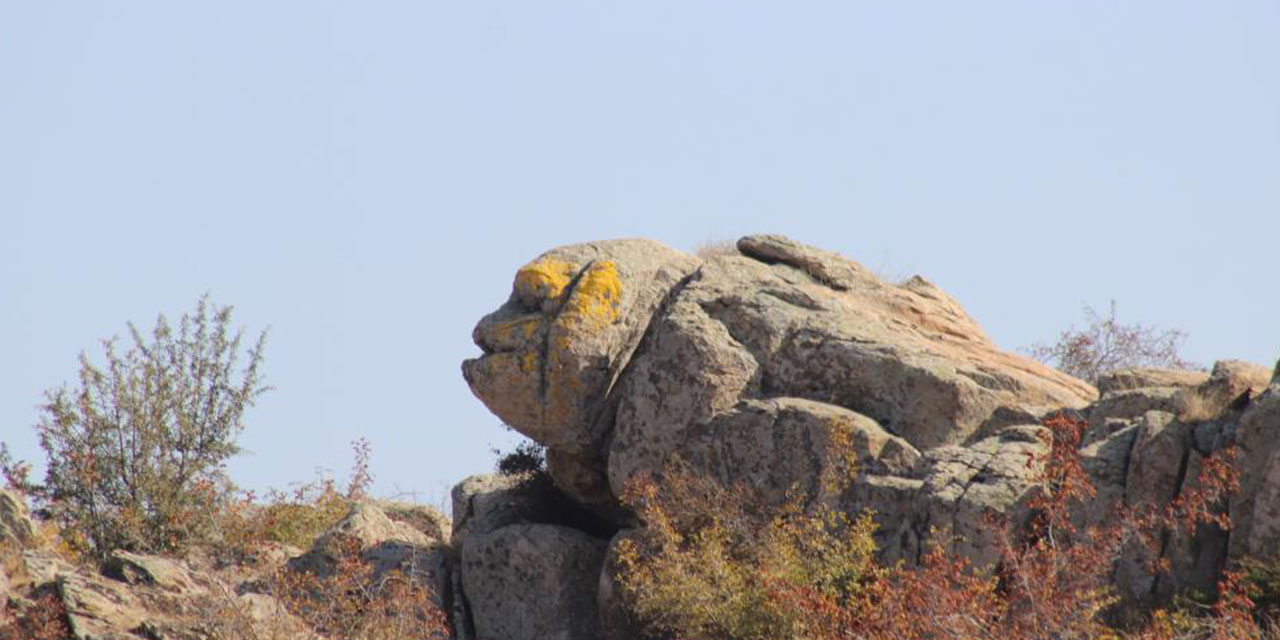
{"x": 715, "y": 248}
{"x": 1197, "y": 405}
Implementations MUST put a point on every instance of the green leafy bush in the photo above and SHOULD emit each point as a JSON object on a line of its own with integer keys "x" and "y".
{"x": 136, "y": 449}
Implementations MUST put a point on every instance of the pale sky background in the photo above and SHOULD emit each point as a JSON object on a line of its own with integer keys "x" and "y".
{"x": 365, "y": 177}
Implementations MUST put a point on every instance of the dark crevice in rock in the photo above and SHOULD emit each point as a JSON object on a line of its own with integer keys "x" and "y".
{"x": 605, "y": 422}
{"x": 1166, "y": 535}
{"x": 540, "y": 501}
{"x": 464, "y": 626}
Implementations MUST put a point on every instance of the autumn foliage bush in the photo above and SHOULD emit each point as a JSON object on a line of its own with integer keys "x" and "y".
{"x": 352, "y": 601}
{"x": 136, "y": 449}
{"x": 1105, "y": 345}
{"x": 707, "y": 564}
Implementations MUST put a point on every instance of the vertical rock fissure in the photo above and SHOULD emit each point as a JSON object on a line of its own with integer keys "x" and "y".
{"x": 1166, "y": 534}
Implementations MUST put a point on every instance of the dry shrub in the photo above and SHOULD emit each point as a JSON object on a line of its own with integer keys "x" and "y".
{"x": 1195, "y": 406}
{"x": 43, "y": 617}
{"x": 706, "y": 566}
{"x": 136, "y": 449}
{"x": 351, "y": 601}
{"x": 296, "y": 517}
{"x": 1106, "y": 345}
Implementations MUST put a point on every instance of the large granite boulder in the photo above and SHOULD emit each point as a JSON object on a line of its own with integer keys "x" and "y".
{"x": 782, "y": 445}
{"x": 533, "y": 582}
{"x": 784, "y": 320}
{"x": 1255, "y": 508}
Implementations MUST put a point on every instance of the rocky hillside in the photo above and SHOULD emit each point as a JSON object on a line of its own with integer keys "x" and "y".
{"x": 620, "y": 356}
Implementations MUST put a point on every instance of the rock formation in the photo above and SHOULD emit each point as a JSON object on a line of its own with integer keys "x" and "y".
{"x": 620, "y": 355}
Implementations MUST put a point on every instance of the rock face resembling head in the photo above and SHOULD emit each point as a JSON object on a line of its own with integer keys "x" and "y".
{"x": 554, "y": 349}
{"x": 733, "y": 340}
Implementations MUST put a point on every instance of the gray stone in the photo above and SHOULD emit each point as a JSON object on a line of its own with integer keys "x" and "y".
{"x": 99, "y": 609}
{"x": 781, "y": 445}
{"x": 905, "y": 356}
{"x": 1255, "y": 508}
{"x": 533, "y": 582}
{"x": 616, "y": 616}
{"x": 137, "y": 568}
{"x": 482, "y": 503}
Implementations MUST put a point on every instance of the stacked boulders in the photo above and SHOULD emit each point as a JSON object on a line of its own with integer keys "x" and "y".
{"x": 620, "y": 355}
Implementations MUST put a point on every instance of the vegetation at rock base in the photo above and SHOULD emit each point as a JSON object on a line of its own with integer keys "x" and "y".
{"x": 353, "y": 602}
{"x": 1105, "y": 345}
{"x": 707, "y": 564}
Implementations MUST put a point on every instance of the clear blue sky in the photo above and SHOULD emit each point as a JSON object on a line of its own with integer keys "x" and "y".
{"x": 365, "y": 177}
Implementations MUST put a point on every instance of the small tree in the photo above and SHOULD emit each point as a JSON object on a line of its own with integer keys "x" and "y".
{"x": 136, "y": 450}
{"x": 1105, "y": 345}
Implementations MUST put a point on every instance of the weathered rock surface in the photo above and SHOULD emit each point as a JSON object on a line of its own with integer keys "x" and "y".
{"x": 782, "y": 444}
{"x": 781, "y": 320}
{"x": 533, "y": 582}
{"x": 1255, "y": 509}
{"x": 16, "y": 528}
{"x": 136, "y": 568}
{"x": 964, "y": 485}
{"x": 788, "y": 321}
{"x": 426, "y": 519}
{"x": 554, "y": 350}
{"x": 99, "y": 609}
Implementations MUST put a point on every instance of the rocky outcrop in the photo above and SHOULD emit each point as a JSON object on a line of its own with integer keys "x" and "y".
{"x": 751, "y": 364}
{"x": 783, "y": 368}
{"x": 778, "y": 365}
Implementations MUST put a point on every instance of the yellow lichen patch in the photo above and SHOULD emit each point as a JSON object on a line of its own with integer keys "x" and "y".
{"x": 596, "y": 301}
{"x": 545, "y": 279}
{"x": 514, "y": 333}
{"x": 529, "y": 362}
